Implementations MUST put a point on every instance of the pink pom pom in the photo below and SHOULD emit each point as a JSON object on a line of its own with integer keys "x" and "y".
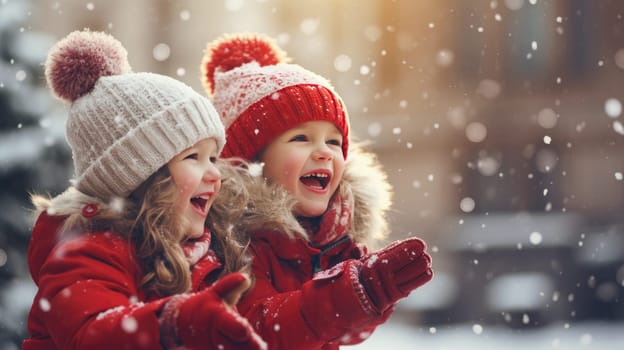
{"x": 76, "y": 63}
{"x": 233, "y": 51}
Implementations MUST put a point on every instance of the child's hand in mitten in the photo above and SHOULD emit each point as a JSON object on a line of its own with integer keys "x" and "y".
{"x": 205, "y": 320}
{"x": 394, "y": 271}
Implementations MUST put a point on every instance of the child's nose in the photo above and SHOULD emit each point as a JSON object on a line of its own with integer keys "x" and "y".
{"x": 211, "y": 173}
{"x": 323, "y": 153}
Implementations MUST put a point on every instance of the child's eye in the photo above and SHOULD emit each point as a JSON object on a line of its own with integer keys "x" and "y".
{"x": 213, "y": 160}
{"x": 191, "y": 156}
{"x": 335, "y": 142}
{"x": 298, "y": 138}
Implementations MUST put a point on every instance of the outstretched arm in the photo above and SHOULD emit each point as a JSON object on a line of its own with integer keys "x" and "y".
{"x": 318, "y": 312}
{"x": 342, "y": 304}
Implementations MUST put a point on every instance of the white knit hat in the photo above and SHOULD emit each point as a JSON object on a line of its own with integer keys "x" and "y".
{"x": 122, "y": 126}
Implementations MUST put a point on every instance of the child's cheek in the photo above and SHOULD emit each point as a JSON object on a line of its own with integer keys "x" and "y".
{"x": 288, "y": 172}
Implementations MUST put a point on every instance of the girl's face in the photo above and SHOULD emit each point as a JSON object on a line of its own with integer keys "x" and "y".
{"x": 307, "y": 160}
{"x": 197, "y": 181}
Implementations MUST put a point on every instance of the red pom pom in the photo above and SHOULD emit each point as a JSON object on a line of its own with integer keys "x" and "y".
{"x": 231, "y": 51}
{"x": 76, "y": 63}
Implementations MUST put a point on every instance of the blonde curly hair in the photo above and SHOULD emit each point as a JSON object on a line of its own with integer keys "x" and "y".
{"x": 145, "y": 220}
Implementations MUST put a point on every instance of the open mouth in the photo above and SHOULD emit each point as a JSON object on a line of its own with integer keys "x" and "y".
{"x": 316, "y": 180}
{"x": 200, "y": 202}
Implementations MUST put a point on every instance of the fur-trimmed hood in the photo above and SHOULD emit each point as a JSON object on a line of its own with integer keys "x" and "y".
{"x": 270, "y": 206}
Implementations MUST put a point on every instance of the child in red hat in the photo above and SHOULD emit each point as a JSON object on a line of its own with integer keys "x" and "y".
{"x": 317, "y": 205}
{"x": 136, "y": 254}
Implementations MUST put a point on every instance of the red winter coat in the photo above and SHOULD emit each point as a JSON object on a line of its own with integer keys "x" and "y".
{"x": 305, "y": 298}
{"x": 89, "y": 293}
{"x": 292, "y": 308}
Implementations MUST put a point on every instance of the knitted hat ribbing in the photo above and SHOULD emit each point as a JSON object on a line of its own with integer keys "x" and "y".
{"x": 122, "y": 126}
{"x": 259, "y": 95}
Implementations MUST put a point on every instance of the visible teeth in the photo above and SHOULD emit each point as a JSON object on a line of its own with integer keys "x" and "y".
{"x": 202, "y": 196}
{"x": 200, "y": 201}
{"x": 316, "y": 175}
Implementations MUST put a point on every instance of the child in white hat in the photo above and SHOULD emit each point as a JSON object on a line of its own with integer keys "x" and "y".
{"x": 132, "y": 255}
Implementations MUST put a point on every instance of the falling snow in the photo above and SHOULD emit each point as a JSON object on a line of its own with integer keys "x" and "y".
{"x": 44, "y": 304}
{"x": 613, "y": 107}
{"x": 498, "y": 123}
{"x": 129, "y": 324}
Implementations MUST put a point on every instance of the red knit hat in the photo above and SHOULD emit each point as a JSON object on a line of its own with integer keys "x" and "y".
{"x": 259, "y": 95}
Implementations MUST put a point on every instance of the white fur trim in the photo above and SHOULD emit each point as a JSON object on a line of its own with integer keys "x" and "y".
{"x": 73, "y": 201}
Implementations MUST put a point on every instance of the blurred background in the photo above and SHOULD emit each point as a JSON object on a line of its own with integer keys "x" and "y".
{"x": 499, "y": 123}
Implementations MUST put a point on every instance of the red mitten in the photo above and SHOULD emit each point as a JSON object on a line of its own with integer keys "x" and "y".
{"x": 204, "y": 320}
{"x": 394, "y": 271}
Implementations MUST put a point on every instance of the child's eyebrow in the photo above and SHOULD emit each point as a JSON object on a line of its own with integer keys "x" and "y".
{"x": 298, "y": 128}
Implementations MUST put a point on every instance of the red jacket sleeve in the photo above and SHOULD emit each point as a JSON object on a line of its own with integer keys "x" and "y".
{"x": 89, "y": 298}
{"x": 330, "y": 308}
